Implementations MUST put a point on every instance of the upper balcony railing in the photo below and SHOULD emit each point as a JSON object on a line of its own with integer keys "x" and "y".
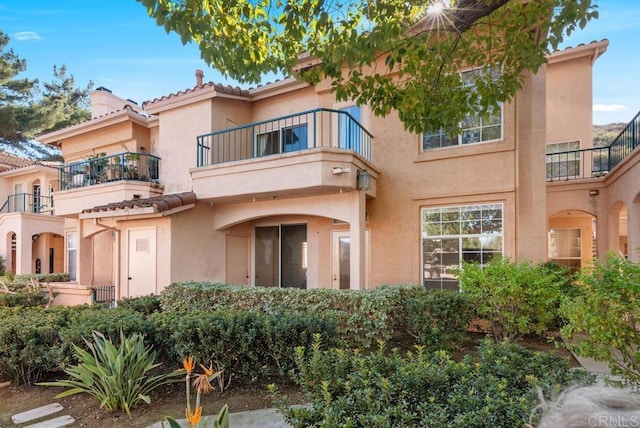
{"x": 309, "y": 129}
{"x": 27, "y": 203}
{"x": 105, "y": 169}
{"x": 574, "y": 164}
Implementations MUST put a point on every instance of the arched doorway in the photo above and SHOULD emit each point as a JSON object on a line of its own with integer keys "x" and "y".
{"x": 618, "y": 229}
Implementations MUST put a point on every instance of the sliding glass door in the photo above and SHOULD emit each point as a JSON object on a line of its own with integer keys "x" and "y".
{"x": 281, "y": 256}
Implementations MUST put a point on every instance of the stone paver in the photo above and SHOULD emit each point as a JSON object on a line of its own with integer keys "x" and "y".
{"x": 61, "y": 421}
{"x": 38, "y": 413}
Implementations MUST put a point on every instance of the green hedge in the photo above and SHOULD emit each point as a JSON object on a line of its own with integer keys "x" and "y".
{"x": 146, "y": 305}
{"x": 496, "y": 389}
{"x": 23, "y": 299}
{"x": 19, "y": 282}
{"x": 362, "y": 316}
{"x": 246, "y": 344}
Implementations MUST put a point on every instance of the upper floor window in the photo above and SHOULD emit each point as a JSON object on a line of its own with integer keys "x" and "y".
{"x": 563, "y": 160}
{"x": 475, "y": 129}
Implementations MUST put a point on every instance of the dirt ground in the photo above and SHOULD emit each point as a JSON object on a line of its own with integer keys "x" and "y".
{"x": 169, "y": 400}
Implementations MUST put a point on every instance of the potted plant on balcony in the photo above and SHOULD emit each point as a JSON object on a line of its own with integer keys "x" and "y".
{"x": 131, "y": 167}
{"x": 98, "y": 168}
{"x": 115, "y": 168}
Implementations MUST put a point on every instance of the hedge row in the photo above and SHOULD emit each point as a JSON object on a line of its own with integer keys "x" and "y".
{"x": 34, "y": 341}
{"x": 251, "y": 332}
{"x": 363, "y": 316}
{"x": 27, "y": 298}
{"x": 19, "y": 282}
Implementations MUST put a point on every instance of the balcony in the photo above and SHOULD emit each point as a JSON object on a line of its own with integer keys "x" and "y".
{"x": 104, "y": 179}
{"x": 315, "y": 151}
{"x": 106, "y": 169}
{"x": 595, "y": 162}
{"x": 28, "y": 203}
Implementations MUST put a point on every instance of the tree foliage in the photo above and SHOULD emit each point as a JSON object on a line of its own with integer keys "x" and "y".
{"x": 401, "y": 55}
{"x": 26, "y": 109}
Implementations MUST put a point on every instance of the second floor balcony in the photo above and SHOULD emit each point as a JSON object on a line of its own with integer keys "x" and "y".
{"x": 27, "y": 203}
{"x": 102, "y": 179}
{"x": 594, "y": 162}
{"x": 106, "y": 169}
{"x": 314, "y": 151}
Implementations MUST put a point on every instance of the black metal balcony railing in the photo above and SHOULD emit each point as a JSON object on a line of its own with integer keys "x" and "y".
{"x": 105, "y": 169}
{"x": 295, "y": 132}
{"x": 572, "y": 164}
{"x": 27, "y": 203}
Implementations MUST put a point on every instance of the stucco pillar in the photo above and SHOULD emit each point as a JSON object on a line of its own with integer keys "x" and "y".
{"x": 85, "y": 257}
{"x": 633, "y": 231}
{"x": 357, "y": 244}
{"x": 23, "y": 253}
{"x": 531, "y": 194}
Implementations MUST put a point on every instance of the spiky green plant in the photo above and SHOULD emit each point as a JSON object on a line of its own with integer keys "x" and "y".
{"x": 118, "y": 376}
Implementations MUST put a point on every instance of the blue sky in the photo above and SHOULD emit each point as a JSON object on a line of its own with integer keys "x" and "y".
{"x": 116, "y": 45}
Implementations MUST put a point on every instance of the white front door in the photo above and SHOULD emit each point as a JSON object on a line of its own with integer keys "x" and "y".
{"x": 141, "y": 262}
{"x": 341, "y": 259}
{"x": 237, "y": 260}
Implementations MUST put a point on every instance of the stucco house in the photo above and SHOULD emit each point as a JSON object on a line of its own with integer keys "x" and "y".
{"x": 282, "y": 186}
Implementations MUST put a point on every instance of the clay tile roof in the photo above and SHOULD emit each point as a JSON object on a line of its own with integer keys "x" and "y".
{"x": 14, "y": 161}
{"x": 159, "y": 203}
{"x": 218, "y": 87}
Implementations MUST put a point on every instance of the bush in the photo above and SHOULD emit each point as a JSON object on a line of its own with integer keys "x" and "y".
{"x": 516, "y": 299}
{"x": 30, "y": 345}
{"x": 498, "y": 389}
{"x": 603, "y": 321}
{"x": 246, "y": 344}
{"x": 363, "y": 316}
{"x": 439, "y": 319}
{"x": 25, "y": 299}
{"x": 119, "y": 377}
{"x": 146, "y": 305}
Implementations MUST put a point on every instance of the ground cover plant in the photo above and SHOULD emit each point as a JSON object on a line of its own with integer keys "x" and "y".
{"x": 381, "y": 389}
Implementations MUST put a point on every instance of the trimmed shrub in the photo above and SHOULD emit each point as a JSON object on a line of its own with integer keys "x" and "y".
{"x": 602, "y": 322}
{"x": 82, "y": 321}
{"x": 516, "y": 299}
{"x": 146, "y": 305}
{"x": 246, "y": 344}
{"x": 497, "y": 389}
{"x": 439, "y": 319}
{"x": 363, "y": 316}
{"x": 30, "y": 344}
{"x": 25, "y": 299}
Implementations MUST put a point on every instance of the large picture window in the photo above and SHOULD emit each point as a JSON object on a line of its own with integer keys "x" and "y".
{"x": 475, "y": 129}
{"x": 451, "y": 235}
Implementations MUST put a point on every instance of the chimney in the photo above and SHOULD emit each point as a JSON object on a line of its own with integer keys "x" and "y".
{"x": 199, "y": 77}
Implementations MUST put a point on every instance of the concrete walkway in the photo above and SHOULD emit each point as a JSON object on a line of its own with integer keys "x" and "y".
{"x": 262, "y": 418}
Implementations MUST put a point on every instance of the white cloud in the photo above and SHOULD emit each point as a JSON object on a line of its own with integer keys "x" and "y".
{"x": 609, "y": 107}
{"x": 27, "y": 35}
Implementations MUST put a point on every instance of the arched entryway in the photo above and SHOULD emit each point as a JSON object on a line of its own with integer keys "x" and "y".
{"x": 618, "y": 229}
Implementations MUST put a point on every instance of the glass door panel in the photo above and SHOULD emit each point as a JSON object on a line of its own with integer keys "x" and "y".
{"x": 267, "y": 256}
{"x": 294, "y": 255}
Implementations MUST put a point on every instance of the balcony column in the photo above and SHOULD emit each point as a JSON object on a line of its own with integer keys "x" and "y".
{"x": 84, "y": 254}
{"x": 633, "y": 231}
{"x": 358, "y": 203}
{"x": 23, "y": 253}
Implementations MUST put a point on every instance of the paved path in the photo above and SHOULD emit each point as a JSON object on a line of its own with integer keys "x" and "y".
{"x": 262, "y": 418}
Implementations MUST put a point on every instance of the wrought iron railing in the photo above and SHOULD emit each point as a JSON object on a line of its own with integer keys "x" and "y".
{"x": 105, "y": 169}
{"x": 597, "y": 161}
{"x": 104, "y": 295}
{"x": 27, "y": 203}
{"x": 309, "y": 129}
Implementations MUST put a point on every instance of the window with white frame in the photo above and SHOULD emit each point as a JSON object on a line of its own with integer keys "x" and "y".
{"x": 282, "y": 140}
{"x": 563, "y": 160}
{"x": 451, "y": 235}
{"x": 72, "y": 255}
{"x": 475, "y": 129}
{"x": 565, "y": 248}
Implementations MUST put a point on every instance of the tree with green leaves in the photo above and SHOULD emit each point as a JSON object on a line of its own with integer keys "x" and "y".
{"x": 26, "y": 109}
{"x": 402, "y": 55}
{"x": 15, "y": 94}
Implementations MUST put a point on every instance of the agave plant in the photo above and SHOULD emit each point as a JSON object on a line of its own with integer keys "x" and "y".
{"x": 120, "y": 377}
